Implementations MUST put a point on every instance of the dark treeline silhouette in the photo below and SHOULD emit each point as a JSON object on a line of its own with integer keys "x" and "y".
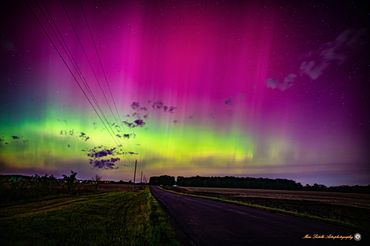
{"x": 236, "y": 182}
{"x": 19, "y": 187}
{"x": 162, "y": 180}
{"x": 252, "y": 183}
{"x": 16, "y": 188}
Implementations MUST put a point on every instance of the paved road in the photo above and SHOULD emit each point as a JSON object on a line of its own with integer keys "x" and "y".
{"x": 201, "y": 221}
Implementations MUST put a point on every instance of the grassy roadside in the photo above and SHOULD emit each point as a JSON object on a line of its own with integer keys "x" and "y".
{"x": 106, "y": 218}
{"x": 163, "y": 231}
{"x": 352, "y": 217}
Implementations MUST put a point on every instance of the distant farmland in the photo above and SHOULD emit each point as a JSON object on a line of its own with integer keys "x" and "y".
{"x": 349, "y": 209}
{"x": 335, "y": 198}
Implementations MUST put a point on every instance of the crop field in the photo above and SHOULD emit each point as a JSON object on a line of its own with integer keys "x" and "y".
{"x": 97, "y": 218}
{"x": 119, "y": 187}
{"x": 335, "y": 198}
{"x": 348, "y": 209}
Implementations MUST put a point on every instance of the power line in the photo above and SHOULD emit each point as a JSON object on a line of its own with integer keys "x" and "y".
{"x": 60, "y": 38}
{"x": 88, "y": 60}
{"x": 100, "y": 62}
{"x": 65, "y": 62}
{"x": 99, "y": 59}
{"x": 87, "y": 57}
{"x": 70, "y": 56}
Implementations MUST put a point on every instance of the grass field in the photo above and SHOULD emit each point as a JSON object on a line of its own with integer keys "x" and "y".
{"x": 342, "y": 208}
{"x": 99, "y": 218}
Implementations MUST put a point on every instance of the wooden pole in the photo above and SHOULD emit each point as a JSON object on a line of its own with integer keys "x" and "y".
{"x": 133, "y": 183}
{"x": 135, "y": 171}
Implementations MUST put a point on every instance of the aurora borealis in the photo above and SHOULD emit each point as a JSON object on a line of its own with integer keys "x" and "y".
{"x": 245, "y": 88}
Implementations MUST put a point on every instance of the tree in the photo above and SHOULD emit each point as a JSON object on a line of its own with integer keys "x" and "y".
{"x": 70, "y": 181}
{"x": 96, "y": 180}
{"x": 162, "y": 180}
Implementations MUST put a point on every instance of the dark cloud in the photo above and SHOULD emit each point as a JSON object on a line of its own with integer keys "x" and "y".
{"x": 127, "y": 123}
{"x": 172, "y": 109}
{"x": 135, "y": 105}
{"x": 228, "y": 101}
{"x": 105, "y": 163}
{"x": 67, "y": 132}
{"x": 139, "y": 122}
{"x": 96, "y": 153}
{"x": 83, "y": 136}
{"x": 161, "y": 105}
{"x": 128, "y": 135}
{"x": 99, "y": 157}
{"x": 139, "y": 113}
{"x": 157, "y": 105}
{"x": 135, "y": 123}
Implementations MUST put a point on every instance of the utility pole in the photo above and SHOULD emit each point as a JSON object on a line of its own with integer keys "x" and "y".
{"x": 135, "y": 171}
{"x": 133, "y": 184}
{"x": 145, "y": 179}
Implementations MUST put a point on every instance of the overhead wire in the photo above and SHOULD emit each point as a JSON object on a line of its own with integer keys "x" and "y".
{"x": 58, "y": 35}
{"x": 82, "y": 77}
{"x": 75, "y": 65}
{"x": 87, "y": 57}
{"x": 98, "y": 56}
{"x": 101, "y": 65}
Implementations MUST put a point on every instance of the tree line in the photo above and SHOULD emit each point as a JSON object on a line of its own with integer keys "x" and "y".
{"x": 251, "y": 183}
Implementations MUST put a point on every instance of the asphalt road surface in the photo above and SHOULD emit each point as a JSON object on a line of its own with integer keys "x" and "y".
{"x": 200, "y": 221}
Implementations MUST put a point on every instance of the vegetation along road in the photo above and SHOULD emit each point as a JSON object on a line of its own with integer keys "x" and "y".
{"x": 95, "y": 218}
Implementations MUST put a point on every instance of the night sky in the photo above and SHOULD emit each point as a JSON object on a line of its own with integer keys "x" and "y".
{"x": 273, "y": 89}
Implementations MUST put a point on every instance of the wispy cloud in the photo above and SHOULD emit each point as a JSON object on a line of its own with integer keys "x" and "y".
{"x": 317, "y": 61}
{"x": 334, "y": 52}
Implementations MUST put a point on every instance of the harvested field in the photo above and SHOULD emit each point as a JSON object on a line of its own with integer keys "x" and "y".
{"x": 335, "y": 198}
